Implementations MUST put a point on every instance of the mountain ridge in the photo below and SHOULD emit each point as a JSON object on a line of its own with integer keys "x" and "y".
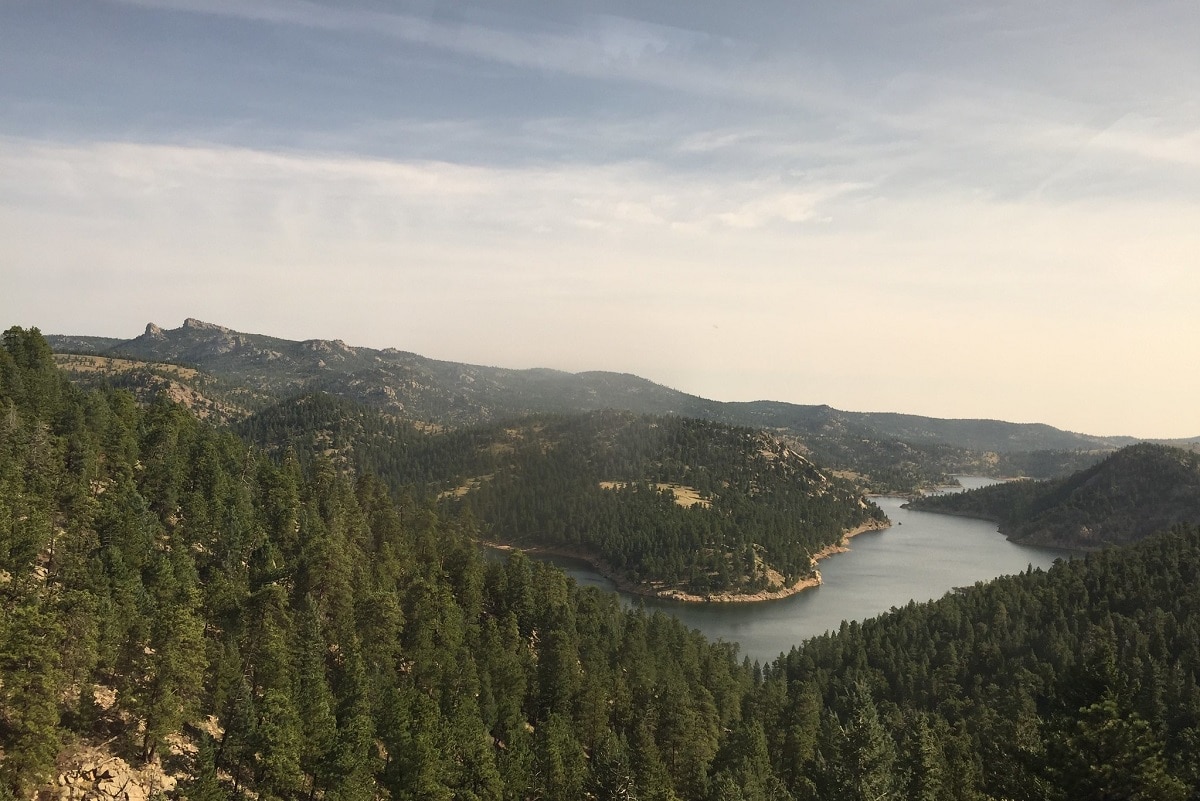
{"x": 897, "y": 451}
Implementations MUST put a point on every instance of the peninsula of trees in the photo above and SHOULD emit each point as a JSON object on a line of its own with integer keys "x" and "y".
{"x": 1135, "y": 492}
{"x": 668, "y": 505}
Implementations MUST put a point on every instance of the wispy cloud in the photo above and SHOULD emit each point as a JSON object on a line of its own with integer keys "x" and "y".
{"x": 857, "y": 117}
{"x": 245, "y": 205}
{"x": 355, "y": 190}
{"x": 596, "y": 46}
{"x": 697, "y": 195}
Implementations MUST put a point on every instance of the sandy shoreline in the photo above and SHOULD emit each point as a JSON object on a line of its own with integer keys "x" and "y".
{"x": 651, "y": 590}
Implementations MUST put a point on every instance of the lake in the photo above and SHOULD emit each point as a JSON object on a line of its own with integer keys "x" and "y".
{"x": 921, "y": 557}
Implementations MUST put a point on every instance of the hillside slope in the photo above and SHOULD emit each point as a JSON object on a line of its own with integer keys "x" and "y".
{"x": 207, "y": 396}
{"x": 672, "y": 506}
{"x": 448, "y": 393}
{"x": 1135, "y": 492}
{"x": 171, "y": 597}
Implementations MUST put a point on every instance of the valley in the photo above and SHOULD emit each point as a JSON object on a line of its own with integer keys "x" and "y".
{"x": 469, "y": 401}
{"x": 289, "y": 601}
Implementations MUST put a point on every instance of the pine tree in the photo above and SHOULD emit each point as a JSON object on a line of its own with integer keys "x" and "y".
{"x": 171, "y": 668}
{"x": 867, "y": 753}
{"x": 1111, "y": 755}
{"x": 560, "y": 761}
{"x": 204, "y": 784}
{"x": 352, "y": 766}
{"x": 278, "y": 740}
{"x": 29, "y": 691}
{"x": 926, "y": 765}
{"x": 314, "y": 700}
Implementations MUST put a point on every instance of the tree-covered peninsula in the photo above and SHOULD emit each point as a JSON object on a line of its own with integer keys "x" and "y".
{"x": 1135, "y": 492}
{"x": 668, "y": 505}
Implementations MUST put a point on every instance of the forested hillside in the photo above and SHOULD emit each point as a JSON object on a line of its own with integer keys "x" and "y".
{"x": 1135, "y": 492}
{"x": 1075, "y": 683}
{"x": 670, "y": 504}
{"x": 163, "y": 585}
{"x": 220, "y": 400}
{"x": 339, "y": 645}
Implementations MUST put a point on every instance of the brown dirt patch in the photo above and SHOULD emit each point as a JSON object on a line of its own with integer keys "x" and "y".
{"x": 684, "y": 495}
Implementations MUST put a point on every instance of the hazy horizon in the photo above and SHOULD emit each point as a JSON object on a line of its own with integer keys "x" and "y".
{"x": 956, "y": 212}
{"x": 358, "y": 345}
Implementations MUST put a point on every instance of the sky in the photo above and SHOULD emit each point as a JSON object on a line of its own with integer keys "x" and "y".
{"x": 954, "y": 209}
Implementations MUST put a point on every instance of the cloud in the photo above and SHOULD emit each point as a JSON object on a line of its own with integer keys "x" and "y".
{"x": 244, "y": 211}
{"x": 625, "y": 266}
{"x": 251, "y": 187}
{"x": 595, "y": 46}
{"x": 772, "y": 101}
{"x": 543, "y": 186}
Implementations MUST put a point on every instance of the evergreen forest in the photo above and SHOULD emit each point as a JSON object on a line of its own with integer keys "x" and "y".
{"x": 322, "y": 633}
{"x": 662, "y": 501}
{"x": 1133, "y": 493}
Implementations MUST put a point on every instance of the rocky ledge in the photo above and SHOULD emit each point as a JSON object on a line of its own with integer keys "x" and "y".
{"x": 110, "y": 780}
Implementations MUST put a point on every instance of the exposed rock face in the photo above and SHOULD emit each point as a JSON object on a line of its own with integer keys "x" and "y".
{"x": 336, "y": 346}
{"x": 192, "y": 324}
{"x": 193, "y": 341}
{"x": 110, "y": 780}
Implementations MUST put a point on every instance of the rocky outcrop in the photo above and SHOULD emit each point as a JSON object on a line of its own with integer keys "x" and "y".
{"x": 192, "y": 324}
{"x": 111, "y": 779}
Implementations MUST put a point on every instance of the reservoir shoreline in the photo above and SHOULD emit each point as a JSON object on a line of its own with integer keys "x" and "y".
{"x": 660, "y": 592}
{"x": 922, "y": 557}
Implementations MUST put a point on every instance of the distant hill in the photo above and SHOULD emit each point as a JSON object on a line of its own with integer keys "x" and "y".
{"x": 207, "y": 396}
{"x": 1135, "y": 492}
{"x": 887, "y": 451}
{"x": 986, "y": 435}
{"x": 448, "y": 393}
{"x": 672, "y": 506}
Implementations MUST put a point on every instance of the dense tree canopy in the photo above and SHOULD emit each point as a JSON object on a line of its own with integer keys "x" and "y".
{"x": 1137, "y": 491}
{"x": 604, "y": 484}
